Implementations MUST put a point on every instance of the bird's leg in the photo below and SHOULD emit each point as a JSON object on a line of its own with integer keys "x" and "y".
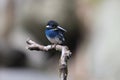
{"x": 55, "y": 45}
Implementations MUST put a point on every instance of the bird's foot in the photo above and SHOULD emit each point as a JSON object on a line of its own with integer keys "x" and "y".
{"x": 54, "y": 45}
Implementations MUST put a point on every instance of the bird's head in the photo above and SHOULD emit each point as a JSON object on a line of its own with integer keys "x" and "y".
{"x": 52, "y": 24}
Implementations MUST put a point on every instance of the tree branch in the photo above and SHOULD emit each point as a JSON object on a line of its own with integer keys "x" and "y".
{"x": 65, "y": 55}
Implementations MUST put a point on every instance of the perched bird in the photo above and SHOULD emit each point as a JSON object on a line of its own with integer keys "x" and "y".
{"x": 55, "y": 33}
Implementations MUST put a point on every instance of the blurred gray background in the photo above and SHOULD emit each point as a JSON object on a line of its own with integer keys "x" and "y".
{"x": 93, "y": 36}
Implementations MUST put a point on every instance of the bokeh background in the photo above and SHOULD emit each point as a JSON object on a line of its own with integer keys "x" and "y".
{"x": 93, "y": 36}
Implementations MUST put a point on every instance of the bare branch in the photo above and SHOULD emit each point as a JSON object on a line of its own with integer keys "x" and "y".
{"x": 65, "y": 54}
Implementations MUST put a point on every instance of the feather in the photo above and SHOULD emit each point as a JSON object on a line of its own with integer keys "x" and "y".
{"x": 60, "y": 28}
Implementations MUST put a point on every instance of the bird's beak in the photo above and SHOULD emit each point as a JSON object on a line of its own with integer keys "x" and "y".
{"x": 47, "y": 26}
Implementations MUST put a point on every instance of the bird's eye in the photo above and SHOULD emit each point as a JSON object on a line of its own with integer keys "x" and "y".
{"x": 54, "y": 26}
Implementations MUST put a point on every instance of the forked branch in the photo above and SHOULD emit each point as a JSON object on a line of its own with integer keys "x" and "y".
{"x": 65, "y": 54}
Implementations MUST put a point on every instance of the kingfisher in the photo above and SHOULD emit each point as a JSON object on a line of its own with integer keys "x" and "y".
{"x": 55, "y": 33}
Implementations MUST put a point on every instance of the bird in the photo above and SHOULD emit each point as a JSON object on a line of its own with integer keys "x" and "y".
{"x": 55, "y": 33}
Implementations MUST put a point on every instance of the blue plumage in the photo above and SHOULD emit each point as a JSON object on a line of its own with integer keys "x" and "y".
{"x": 55, "y": 33}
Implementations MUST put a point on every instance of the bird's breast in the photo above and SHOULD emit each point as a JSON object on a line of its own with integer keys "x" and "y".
{"x": 51, "y": 33}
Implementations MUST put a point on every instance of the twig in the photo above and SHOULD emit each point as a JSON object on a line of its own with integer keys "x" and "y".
{"x": 65, "y": 54}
